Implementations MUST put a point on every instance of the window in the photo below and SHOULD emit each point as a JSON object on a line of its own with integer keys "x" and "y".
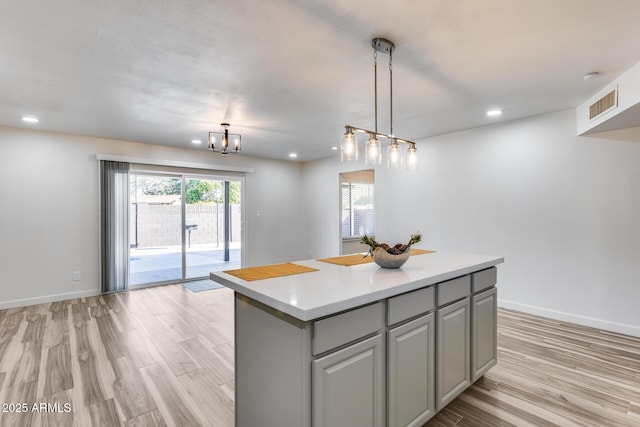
{"x": 358, "y": 209}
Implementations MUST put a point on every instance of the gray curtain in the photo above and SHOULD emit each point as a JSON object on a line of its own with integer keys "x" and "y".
{"x": 114, "y": 225}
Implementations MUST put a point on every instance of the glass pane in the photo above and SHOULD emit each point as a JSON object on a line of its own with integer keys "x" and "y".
{"x": 205, "y": 227}
{"x": 363, "y": 203}
{"x": 155, "y": 229}
{"x": 346, "y": 211}
{"x": 358, "y": 210}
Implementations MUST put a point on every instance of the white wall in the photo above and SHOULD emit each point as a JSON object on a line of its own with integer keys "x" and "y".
{"x": 563, "y": 210}
{"x": 53, "y": 180}
{"x": 321, "y": 199}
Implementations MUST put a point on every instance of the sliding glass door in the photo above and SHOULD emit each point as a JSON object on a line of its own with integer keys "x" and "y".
{"x": 183, "y": 227}
{"x": 212, "y": 227}
{"x": 155, "y": 235}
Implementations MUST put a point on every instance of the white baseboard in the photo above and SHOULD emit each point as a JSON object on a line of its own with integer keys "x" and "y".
{"x": 48, "y": 298}
{"x": 605, "y": 325}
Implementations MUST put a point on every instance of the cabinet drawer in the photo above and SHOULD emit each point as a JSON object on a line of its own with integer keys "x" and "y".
{"x": 453, "y": 290}
{"x": 484, "y": 279}
{"x": 409, "y": 305}
{"x": 343, "y": 328}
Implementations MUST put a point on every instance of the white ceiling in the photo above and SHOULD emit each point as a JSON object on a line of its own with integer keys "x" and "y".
{"x": 289, "y": 74}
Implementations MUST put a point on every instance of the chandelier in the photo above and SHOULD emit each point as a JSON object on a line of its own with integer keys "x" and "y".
{"x": 225, "y": 142}
{"x": 373, "y": 152}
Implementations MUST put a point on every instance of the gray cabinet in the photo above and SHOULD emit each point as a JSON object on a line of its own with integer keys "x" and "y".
{"x": 396, "y": 361}
{"x": 484, "y": 332}
{"x": 348, "y": 386}
{"x": 411, "y": 372}
{"x": 453, "y": 351}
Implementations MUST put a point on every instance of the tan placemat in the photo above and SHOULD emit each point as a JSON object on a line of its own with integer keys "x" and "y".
{"x": 270, "y": 271}
{"x": 356, "y": 259}
{"x": 420, "y": 251}
{"x": 348, "y": 260}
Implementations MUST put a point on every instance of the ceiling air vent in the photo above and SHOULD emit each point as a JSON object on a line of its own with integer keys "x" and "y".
{"x": 604, "y": 104}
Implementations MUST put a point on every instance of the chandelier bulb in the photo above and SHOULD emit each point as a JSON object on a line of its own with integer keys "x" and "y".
{"x": 373, "y": 154}
{"x": 349, "y": 146}
{"x": 394, "y": 159}
{"x": 413, "y": 160}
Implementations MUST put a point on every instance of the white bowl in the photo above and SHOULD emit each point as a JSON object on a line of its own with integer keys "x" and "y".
{"x": 386, "y": 260}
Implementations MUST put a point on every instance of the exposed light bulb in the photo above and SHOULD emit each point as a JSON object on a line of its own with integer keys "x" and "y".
{"x": 394, "y": 159}
{"x": 349, "y": 147}
{"x": 413, "y": 161}
{"x": 373, "y": 154}
{"x": 373, "y": 149}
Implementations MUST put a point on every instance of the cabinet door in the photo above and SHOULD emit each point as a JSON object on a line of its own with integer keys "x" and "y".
{"x": 484, "y": 331}
{"x": 411, "y": 372}
{"x": 348, "y": 386}
{"x": 453, "y": 351}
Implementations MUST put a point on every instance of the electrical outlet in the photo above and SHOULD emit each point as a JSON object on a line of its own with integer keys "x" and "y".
{"x": 76, "y": 276}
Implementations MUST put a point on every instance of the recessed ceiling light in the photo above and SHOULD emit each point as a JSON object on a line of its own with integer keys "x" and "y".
{"x": 293, "y": 155}
{"x": 334, "y": 148}
{"x": 196, "y": 141}
{"x": 494, "y": 113}
{"x": 592, "y": 75}
{"x": 30, "y": 119}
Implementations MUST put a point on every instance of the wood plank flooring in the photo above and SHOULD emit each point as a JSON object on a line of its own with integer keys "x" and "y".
{"x": 551, "y": 373}
{"x": 164, "y": 357}
{"x": 152, "y": 357}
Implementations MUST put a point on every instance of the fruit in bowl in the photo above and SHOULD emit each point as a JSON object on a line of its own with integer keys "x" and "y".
{"x": 387, "y": 256}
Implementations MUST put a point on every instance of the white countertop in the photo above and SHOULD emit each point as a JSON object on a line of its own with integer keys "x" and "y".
{"x": 334, "y": 288}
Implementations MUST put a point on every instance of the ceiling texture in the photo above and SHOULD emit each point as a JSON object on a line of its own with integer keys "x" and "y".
{"x": 289, "y": 74}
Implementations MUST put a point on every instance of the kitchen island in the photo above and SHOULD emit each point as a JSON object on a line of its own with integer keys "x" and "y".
{"x": 361, "y": 345}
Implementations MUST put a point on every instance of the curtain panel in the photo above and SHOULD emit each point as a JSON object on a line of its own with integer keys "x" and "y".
{"x": 114, "y": 225}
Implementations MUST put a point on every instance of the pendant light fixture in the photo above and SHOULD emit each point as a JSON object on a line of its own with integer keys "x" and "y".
{"x": 373, "y": 150}
{"x": 225, "y": 142}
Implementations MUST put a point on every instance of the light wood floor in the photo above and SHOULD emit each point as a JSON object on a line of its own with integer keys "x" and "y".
{"x": 552, "y": 373}
{"x": 164, "y": 356}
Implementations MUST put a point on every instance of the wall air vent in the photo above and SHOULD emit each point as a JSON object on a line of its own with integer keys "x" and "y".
{"x": 604, "y": 104}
